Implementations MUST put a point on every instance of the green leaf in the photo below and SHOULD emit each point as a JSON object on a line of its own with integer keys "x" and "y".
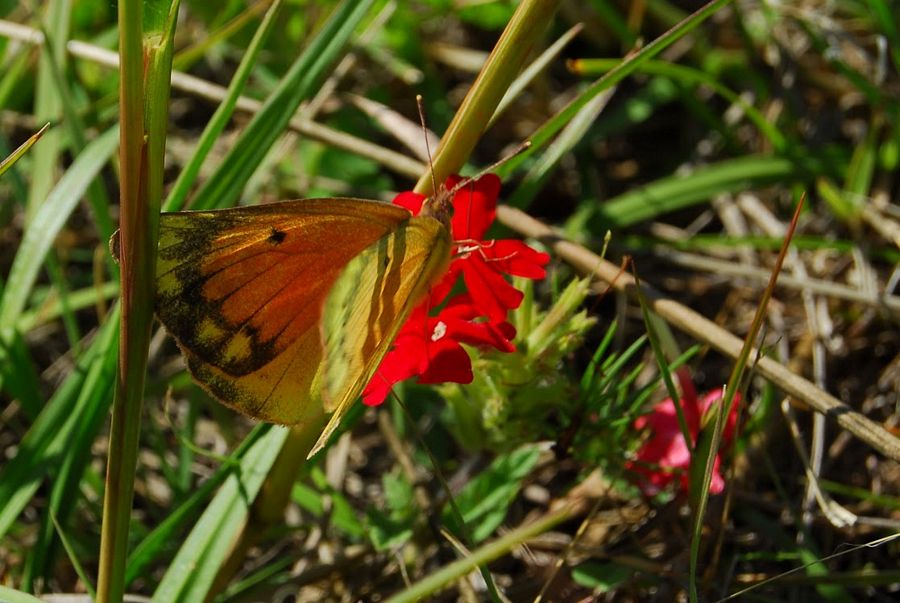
{"x": 394, "y": 527}
{"x": 601, "y": 577}
{"x": 343, "y": 516}
{"x": 387, "y": 532}
{"x": 684, "y": 190}
{"x": 486, "y": 499}
{"x": 8, "y": 595}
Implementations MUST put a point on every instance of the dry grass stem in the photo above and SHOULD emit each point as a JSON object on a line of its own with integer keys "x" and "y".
{"x": 705, "y": 330}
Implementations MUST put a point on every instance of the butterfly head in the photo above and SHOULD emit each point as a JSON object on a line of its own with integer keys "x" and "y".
{"x": 440, "y": 205}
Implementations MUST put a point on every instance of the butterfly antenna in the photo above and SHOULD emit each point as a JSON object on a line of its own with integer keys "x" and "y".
{"x": 524, "y": 146}
{"x": 434, "y": 188}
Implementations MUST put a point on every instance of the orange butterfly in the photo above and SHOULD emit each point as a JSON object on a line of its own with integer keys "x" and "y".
{"x": 284, "y": 307}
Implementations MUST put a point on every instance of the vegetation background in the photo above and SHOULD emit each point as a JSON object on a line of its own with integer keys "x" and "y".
{"x": 694, "y": 164}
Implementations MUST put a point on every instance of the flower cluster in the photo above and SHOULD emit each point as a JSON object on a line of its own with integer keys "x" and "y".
{"x": 429, "y": 347}
{"x": 666, "y": 456}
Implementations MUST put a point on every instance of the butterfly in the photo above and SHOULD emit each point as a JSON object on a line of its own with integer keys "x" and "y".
{"x": 285, "y": 308}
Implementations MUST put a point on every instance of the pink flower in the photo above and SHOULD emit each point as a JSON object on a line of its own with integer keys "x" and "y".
{"x": 666, "y": 456}
{"x": 429, "y": 346}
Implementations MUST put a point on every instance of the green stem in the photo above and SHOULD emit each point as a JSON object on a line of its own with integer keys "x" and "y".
{"x": 487, "y": 553}
{"x": 501, "y": 68}
{"x": 734, "y": 381}
{"x": 146, "y": 59}
{"x": 125, "y": 427}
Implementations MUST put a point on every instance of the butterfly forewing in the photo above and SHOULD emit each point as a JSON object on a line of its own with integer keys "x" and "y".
{"x": 370, "y": 301}
{"x": 242, "y": 291}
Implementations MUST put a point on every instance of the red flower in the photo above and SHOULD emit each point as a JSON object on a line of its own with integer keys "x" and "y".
{"x": 666, "y": 456}
{"x": 429, "y": 346}
{"x": 482, "y": 263}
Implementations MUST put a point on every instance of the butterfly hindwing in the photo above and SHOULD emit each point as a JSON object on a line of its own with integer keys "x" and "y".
{"x": 370, "y": 301}
{"x": 242, "y": 291}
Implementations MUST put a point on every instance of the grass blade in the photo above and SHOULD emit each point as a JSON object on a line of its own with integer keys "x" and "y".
{"x": 224, "y": 187}
{"x": 191, "y": 574}
{"x": 23, "y": 148}
{"x": 48, "y": 221}
{"x": 188, "y": 176}
{"x": 546, "y": 132}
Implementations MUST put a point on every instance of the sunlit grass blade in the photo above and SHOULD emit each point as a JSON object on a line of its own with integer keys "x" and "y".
{"x": 9, "y": 595}
{"x": 700, "y": 489}
{"x": 546, "y": 132}
{"x": 188, "y": 176}
{"x": 805, "y": 553}
{"x": 532, "y": 71}
{"x": 93, "y": 405}
{"x": 51, "y": 307}
{"x": 22, "y": 149}
{"x": 186, "y": 57}
{"x": 569, "y": 137}
{"x": 684, "y": 190}
{"x": 886, "y": 19}
{"x": 436, "y": 582}
{"x": 74, "y": 129}
{"x": 224, "y": 187}
{"x": 497, "y": 74}
{"x": 48, "y": 103}
{"x": 654, "y": 325}
{"x": 73, "y": 556}
{"x": 165, "y": 536}
{"x": 692, "y": 77}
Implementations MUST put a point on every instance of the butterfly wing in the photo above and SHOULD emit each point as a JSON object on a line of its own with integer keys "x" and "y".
{"x": 242, "y": 291}
{"x": 369, "y": 302}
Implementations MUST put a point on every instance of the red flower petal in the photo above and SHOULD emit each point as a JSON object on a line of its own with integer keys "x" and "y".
{"x": 516, "y": 258}
{"x": 483, "y": 334}
{"x": 450, "y": 363}
{"x": 490, "y": 292}
{"x": 410, "y": 200}
{"x": 474, "y": 207}
{"x": 397, "y": 366}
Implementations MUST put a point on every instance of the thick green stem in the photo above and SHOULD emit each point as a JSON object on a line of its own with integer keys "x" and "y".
{"x": 136, "y": 314}
{"x": 502, "y": 66}
{"x": 145, "y": 59}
